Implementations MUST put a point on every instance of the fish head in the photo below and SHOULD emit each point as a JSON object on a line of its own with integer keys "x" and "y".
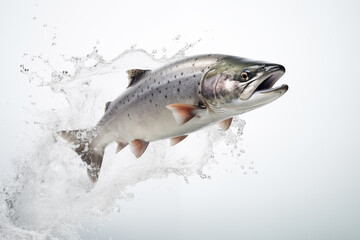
{"x": 240, "y": 85}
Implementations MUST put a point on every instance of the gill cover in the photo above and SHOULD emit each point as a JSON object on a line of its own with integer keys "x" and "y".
{"x": 225, "y": 80}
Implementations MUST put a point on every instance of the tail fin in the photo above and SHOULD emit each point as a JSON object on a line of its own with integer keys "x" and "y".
{"x": 83, "y": 139}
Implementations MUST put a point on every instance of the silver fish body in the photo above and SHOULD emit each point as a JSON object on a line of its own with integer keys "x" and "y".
{"x": 141, "y": 111}
{"x": 177, "y": 99}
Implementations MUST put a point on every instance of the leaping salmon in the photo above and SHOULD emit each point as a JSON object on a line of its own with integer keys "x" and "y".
{"x": 175, "y": 100}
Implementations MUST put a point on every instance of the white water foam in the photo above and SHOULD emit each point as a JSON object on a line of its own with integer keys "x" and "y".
{"x": 51, "y": 192}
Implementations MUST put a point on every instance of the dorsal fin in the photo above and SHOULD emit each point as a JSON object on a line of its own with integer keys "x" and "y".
{"x": 107, "y": 106}
{"x": 135, "y": 75}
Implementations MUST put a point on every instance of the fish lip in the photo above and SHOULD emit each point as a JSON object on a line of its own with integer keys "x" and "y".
{"x": 265, "y": 83}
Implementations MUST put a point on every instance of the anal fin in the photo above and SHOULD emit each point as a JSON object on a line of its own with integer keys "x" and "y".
{"x": 176, "y": 140}
{"x": 138, "y": 147}
{"x": 225, "y": 124}
{"x": 120, "y": 146}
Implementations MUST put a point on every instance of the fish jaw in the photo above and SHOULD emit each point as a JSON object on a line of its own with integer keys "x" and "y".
{"x": 257, "y": 99}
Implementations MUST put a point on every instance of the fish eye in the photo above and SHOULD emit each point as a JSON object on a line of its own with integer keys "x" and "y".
{"x": 245, "y": 75}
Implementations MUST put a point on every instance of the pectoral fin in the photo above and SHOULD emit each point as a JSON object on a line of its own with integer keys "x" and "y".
{"x": 176, "y": 140}
{"x": 138, "y": 147}
{"x": 185, "y": 112}
{"x": 225, "y": 124}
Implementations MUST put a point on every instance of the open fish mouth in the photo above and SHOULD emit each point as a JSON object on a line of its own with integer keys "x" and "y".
{"x": 265, "y": 83}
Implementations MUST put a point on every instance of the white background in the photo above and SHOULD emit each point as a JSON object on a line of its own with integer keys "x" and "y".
{"x": 305, "y": 145}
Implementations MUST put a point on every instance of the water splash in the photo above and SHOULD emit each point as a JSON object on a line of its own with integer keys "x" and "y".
{"x": 51, "y": 192}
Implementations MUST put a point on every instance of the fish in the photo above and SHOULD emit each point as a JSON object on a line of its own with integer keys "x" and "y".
{"x": 175, "y": 100}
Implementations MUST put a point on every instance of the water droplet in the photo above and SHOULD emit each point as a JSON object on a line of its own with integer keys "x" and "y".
{"x": 186, "y": 179}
